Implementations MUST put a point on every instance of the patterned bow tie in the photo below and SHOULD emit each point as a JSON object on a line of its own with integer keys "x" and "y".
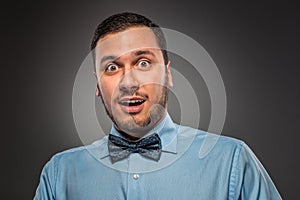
{"x": 119, "y": 148}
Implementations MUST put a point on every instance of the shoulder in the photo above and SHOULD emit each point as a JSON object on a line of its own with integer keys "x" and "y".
{"x": 80, "y": 153}
{"x": 210, "y": 143}
{"x": 204, "y": 136}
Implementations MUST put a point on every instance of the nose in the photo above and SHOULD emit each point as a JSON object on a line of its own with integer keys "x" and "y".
{"x": 129, "y": 82}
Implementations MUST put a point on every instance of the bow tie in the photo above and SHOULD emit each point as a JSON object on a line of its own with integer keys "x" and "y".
{"x": 119, "y": 148}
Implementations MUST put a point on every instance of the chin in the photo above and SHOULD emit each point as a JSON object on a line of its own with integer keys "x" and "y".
{"x": 132, "y": 123}
{"x": 139, "y": 124}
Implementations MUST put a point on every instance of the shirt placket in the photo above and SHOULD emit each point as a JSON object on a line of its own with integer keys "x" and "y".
{"x": 134, "y": 180}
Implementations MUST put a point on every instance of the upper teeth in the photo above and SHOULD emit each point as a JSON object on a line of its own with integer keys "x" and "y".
{"x": 132, "y": 101}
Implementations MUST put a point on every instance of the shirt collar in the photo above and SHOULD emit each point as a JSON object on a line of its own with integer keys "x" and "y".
{"x": 166, "y": 130}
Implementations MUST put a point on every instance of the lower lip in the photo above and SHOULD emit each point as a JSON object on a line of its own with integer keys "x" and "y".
{"x": 132, "y": 109}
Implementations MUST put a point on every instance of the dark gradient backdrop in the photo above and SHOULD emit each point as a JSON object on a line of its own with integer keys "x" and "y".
{"x": 255, "y": 46}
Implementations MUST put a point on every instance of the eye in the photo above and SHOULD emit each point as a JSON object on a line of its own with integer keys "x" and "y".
{"x": 144, "y": 64}
{"x": 111, "y": 68}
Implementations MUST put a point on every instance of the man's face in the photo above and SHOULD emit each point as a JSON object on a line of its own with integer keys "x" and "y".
{"x": 132, "y": 79}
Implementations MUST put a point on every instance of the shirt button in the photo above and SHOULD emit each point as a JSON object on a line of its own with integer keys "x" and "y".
{"x": 136, "y": 176}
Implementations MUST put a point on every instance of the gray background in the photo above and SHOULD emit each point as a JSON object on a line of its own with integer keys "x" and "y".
{"x": 255, "y": 46}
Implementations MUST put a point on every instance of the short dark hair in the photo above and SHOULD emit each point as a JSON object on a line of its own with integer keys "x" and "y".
{"x": 122, "y": 21}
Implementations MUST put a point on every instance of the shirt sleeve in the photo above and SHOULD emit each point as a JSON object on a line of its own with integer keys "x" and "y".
{"x": 46, "y": 187}
{"x": 250, "y": 177}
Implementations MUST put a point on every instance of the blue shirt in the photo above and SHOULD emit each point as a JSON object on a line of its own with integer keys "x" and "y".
{"x": 229, "y": 171}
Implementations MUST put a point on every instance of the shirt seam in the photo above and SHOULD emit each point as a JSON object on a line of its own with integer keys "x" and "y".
{"x": 234, "y": 174}
{"x": 55, "y": 174}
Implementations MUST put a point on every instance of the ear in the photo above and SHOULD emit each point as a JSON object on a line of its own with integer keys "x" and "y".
{"x": 170, "y": 80}
{"x": 98, "y": 93}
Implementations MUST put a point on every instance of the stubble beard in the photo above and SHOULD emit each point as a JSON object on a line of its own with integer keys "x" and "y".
{"x": 139, "y": 128}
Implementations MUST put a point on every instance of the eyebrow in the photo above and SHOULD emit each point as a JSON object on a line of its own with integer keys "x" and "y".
{"x": 144, "y": 52}
{"x": 105, "y": 58}
{"x": 136, "y": 53}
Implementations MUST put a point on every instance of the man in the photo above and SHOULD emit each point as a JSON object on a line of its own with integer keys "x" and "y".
{"x": 146, "y": 155}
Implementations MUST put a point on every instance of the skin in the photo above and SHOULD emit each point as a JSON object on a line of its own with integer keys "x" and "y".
{"x": 130, "y": 66}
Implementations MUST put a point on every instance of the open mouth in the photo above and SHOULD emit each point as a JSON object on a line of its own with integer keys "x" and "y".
{"x": 132, "y": 102}
{"x": 132, "y": 105}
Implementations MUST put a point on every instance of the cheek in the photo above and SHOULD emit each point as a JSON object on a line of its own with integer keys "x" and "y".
{"x": 153, "y": 78}
{"x": 107, "y": 90}
{"x": 154, "y": 91}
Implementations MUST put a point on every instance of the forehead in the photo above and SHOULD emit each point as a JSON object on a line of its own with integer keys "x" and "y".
{"x": 120, "y": 43}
